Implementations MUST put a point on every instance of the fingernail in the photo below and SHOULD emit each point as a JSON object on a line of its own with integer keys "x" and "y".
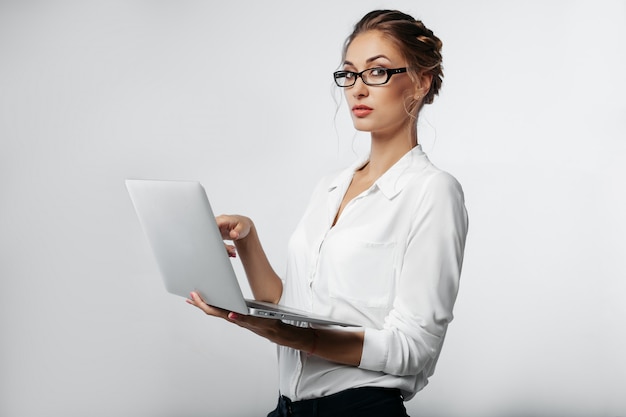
{"x": 233, "y": 316}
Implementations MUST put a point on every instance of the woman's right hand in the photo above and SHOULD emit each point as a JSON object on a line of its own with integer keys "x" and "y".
{"x": 234, "y": 227}
{"x": 266, "y": 285}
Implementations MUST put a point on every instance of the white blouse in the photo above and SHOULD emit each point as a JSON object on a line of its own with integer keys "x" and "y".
{"x": 391, "y": 264}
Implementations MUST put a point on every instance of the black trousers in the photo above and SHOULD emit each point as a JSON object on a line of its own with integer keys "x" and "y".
{"x": 356, "y": 402}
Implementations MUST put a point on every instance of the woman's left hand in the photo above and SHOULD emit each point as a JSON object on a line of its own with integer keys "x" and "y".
{"x": 271, "y": 329}
{"x": 338, "y": 346}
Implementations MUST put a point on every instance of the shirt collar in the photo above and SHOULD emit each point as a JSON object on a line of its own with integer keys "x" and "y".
{"x": 393, "y": 180}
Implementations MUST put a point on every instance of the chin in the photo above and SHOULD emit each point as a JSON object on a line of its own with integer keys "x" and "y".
{"x": 361, "y": 125}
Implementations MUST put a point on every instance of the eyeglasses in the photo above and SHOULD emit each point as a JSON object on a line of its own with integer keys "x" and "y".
{"x": 371, "y": 76}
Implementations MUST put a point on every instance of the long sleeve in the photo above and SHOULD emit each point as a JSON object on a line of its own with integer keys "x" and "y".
{"x": 414, "y": 329}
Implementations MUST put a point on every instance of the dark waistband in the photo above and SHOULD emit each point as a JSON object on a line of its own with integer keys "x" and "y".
{"x": 334, "y": 403}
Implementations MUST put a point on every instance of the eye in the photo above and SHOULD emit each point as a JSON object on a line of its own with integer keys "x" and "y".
{"x": 344, "y": 75}
{"x": 378, "y": 72}
{"x": 345, "y": 78}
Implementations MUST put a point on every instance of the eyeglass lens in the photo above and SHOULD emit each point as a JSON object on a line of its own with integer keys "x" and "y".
{"x": 373, "y": 76}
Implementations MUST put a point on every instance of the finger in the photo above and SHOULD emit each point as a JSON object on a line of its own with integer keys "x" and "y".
{"x": 231, "y": 250}
{"x": 238, "y": 230}
{"x": 234, "y": 316}
{"x": 197, "y": 301}
{"x": 251, "y": 322}
{"x": 233, "y": 227}
{"x": 240, "y": 320}
{"x": 235, "y": 232}
{"x": 226, "y": 224}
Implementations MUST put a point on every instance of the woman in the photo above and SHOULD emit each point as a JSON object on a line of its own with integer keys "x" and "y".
{"x": 380, "y": 244}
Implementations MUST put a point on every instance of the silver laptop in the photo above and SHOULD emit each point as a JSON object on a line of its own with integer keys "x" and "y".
{"x": 180, "y": 225}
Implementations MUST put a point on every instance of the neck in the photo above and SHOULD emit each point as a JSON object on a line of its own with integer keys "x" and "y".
{"x": 386, "y": 150}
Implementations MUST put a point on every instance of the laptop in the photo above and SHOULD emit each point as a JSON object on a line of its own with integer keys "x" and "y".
{"x": 179, "y": 223}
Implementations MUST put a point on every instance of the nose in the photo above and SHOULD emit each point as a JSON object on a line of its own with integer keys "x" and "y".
{"x": 359, "y": 89}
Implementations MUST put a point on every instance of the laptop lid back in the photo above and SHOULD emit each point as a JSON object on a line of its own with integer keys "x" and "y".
{"x": 180, "y": 225}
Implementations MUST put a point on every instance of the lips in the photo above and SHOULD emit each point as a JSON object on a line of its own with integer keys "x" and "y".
{"x": 361, "y": 110}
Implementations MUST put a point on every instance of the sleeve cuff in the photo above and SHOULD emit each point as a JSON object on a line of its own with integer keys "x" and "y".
{"x": 375, "y": 350}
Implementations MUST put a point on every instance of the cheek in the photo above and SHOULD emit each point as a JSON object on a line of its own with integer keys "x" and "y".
{"x": 401, "y": 92}
{"x": 401, "y": 102}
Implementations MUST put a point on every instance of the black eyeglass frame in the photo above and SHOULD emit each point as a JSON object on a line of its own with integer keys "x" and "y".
{"x": 389, "y": 71}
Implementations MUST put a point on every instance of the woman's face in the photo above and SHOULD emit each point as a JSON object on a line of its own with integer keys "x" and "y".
{"x": 382, "y": 109}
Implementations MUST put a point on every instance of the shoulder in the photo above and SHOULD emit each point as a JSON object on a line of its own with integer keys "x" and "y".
{"x": 436, "y": 198}
{"x": 430, "y": 181}
{"x": 442, "y": 182}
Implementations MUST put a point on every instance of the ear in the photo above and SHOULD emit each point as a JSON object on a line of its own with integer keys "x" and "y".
{"x": 421, "y": 89}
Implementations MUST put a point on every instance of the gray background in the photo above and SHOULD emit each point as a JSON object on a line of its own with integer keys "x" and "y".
{"x": 239, "y": 95}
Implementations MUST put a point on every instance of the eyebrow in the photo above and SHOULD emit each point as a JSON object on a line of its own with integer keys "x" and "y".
{"x": 368, "y": 60}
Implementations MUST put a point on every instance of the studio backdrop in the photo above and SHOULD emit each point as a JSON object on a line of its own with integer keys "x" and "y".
{"x": 239, "y": 96}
